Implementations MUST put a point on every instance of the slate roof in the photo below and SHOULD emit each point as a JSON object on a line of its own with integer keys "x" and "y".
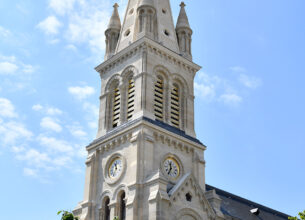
{"x": 235, "y": 207}
{"x": 154, "y": 122}
{"x": 172, "y": 129}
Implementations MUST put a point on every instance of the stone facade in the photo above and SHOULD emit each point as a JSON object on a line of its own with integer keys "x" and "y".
{"x": 146, "y": 162}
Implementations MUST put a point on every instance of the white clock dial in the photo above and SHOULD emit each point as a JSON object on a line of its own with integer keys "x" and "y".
{"x": 171, "y": 168}
{"x": 115, "y": 168}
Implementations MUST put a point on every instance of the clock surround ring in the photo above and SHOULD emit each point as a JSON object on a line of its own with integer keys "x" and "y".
{"x": 113, "y": 180}
{"x": 180, "y": 167}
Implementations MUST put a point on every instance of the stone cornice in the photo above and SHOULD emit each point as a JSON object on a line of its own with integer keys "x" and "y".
{"x": 126, "y": 133}
{"x": 153, "y": 47}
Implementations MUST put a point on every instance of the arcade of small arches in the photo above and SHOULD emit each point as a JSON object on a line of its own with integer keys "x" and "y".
{"x": 169, "y": 101}
{"x": 119, "y": 207}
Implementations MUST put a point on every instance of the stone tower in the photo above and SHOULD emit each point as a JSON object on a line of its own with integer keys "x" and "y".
{"x": 146, "y": 163}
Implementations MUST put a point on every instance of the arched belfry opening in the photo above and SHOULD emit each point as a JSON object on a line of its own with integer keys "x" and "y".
{"x": 105, "y": 209}
{"x": 121, "y": 205}
{"x": 159, "y": 98}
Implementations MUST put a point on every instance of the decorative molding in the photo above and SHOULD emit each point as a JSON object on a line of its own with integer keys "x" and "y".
{"x": 121, "y": 187}
{"x": 129, "y": 70}
{"x": 116, "y": 142}
{"x": 101, "y": 198}
{"x": 177, "y": 78}
{"x": 187, "y": 212}
{"x": 180, "y": 164}
{"x": 111, "y": 81}
{"x": 172, "y": 142}
{"x": 109, "y": 180}
{"x": 190, "y": 181}
{"x": 90, "y": 158}
{"x": 151, "y": 46}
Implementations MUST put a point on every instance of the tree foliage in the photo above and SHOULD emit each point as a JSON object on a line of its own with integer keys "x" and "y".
{"x": 65, "y": 215}
{"x": 301, "y": 216}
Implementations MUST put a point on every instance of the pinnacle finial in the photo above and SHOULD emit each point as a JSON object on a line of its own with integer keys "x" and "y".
{"x": 182, "y": 5}
{"x": 182, "y": 21}
{"x": 115, "y": 22}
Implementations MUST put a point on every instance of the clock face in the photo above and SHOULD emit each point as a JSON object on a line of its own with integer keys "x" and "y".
{"x": 115, "y": 168}
{"x": 171, "y": 168}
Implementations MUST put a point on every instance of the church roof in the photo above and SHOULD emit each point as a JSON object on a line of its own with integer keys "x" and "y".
{"x": 173, "y": 129}
{"x": 239, "y": 208}
{"x": 154, "y": 122}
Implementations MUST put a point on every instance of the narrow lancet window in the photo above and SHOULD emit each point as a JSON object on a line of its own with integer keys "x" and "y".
{"x": 116, "y": 108}
{"x": 107, "y": 210}
{"x": 130, "y": 99}
{"x": 175, "y": 107}
{"x": 159, "y": 99}
{"x": 122, "y": 211}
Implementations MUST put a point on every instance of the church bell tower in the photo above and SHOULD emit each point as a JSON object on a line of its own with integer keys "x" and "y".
{"x": 146, "y": 163}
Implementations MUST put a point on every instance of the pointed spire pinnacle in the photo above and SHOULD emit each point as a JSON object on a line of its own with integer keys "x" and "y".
{"x": 182, "y": 21}
{"x": 115, "y": 21}
{"x": 150, "y": 19}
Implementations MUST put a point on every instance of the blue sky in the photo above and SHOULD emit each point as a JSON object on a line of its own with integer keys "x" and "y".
{"x": 249, "y": 99}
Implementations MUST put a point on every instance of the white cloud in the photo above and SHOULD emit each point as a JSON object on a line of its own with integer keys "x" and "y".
{"x": 238, "y": 69}
{"x": 53, "y": 111}
{"x": 10, "y": 64}
{"x": 7, "y": 68}
{"x": 91, "y": 109}
{"x": 77, "y": 131}
{"x": 62, "y": 161}
{"x": 4, "y": 32}
{"x": 28, "y": 68}
{"x": 30, "y": 172}
{"x": 230, "y": 99}
{"x": 11, "y": 132}
{"x": 34, "y": 157}
{"x": 11, "y": 59}
{"x": 53, "y": 41}
{"x": 92, "y": 124}
{"x": 7, "y": 109}
{"x": 50, "y": 124}
{"x": 50, "y": 25}
{"x": 37, "y": 107}
{"x": 19, "y": 149}
{"x": 61, "y": 7}
{"x": 206, "y": 86}
{"x": 71, "y": 47}
{"x": 204, "y": 91}
{"x": 81, "y": 92}
{"x": 54, "y": 145}
{"x": 250, "y": 81}
{"x": 85, "y": 22}
{"x": 88, "y": 27}
{"x": 23, "y": 9}
{"x": 47, "y": 110}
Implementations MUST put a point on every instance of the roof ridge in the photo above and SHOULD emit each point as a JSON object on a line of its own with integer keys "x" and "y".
{"x": 249, "y": 202}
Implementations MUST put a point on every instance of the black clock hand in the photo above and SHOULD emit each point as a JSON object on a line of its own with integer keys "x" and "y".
{"x": 170, "y": 168}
